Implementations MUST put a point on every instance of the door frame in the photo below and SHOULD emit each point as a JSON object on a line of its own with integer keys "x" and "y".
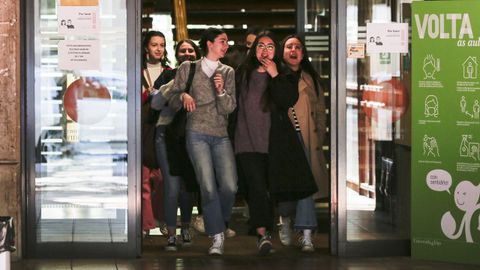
{"x": 335, "y": 84}
{"x": 132, "y": 248}
{"x": 339, "y": 244}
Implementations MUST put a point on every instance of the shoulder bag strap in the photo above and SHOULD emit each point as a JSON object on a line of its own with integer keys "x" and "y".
{"x": 191, "y": 73}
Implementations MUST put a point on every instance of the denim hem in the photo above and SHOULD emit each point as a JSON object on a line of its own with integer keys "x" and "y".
{"x": 306, "y": 227}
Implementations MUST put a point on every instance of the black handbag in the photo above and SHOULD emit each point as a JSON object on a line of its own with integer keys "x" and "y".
{"x": 178, "y": 160}
{"x": 179, "y": 122}
{"x": 149, "y": 121}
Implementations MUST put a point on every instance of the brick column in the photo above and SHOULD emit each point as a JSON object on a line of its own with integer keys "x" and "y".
{"x": 10, "y": 171}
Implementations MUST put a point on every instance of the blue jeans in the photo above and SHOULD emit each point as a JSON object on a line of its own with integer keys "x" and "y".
{"x": 214, "y": 163}
{"x": 173, "y": 194}
{"x": 303, "y": 212}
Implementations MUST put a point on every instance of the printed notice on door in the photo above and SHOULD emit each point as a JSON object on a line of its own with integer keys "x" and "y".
{"x": 78, "y": 17}
{"x": 387, "y": 37}
{"x": 79, "y": 55}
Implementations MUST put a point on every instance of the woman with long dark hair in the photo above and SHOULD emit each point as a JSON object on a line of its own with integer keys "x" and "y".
{"x": 252, "y": 131}
{"x": 307, "y": 114}
{"x": 155, "y": 69}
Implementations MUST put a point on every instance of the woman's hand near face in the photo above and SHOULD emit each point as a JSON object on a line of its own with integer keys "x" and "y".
{"x": 188, "y": 102}
{"x": 270, "y": 66}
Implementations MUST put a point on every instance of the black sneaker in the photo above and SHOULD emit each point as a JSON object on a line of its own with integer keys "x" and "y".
{"x": 171, "y": 244}
{"x": 264, "y": 244}
{"x": 186, "y": 238}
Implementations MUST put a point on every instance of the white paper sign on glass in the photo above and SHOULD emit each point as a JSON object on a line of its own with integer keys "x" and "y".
{"x": 387, "y": 38}
{"x": 78, "y": 20}
{"x": 79, "y": 55}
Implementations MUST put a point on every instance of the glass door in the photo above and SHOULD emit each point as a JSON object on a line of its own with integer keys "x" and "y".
{"x": 313, "y": 24}
{"x": 373, "y": 133}
{"x": 81, "y": 128}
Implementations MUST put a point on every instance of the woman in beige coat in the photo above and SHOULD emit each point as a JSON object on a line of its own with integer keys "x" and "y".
{"x": 309, "y": 109}
{"x": 309, "y": 119}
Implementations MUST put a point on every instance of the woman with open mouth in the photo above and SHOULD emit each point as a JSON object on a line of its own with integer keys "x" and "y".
{"x": 307, "y": 114}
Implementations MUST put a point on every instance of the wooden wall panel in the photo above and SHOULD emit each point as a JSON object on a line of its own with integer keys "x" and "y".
{"x": 10, "y": 171}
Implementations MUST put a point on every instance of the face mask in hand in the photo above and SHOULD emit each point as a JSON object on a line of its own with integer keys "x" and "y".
{"x": 184, "y": 58}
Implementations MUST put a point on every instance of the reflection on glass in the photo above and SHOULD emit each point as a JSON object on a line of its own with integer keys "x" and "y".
{"x": 81, "y": 133}
{"x": 317, "y": 16}
{"x": 317, "y": 41}
{"x": 377, "y": 120}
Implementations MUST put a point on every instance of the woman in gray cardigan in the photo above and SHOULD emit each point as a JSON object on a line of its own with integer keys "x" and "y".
{"x": 176, "y": 186}
{"x": 210, "y": 99}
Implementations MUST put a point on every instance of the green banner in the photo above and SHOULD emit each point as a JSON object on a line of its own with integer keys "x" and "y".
{"x": 446, "y": 131}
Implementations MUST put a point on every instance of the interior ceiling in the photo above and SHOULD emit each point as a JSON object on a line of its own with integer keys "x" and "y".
{"x": 275, "y": 15}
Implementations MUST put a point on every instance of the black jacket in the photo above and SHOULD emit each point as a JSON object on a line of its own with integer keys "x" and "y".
{"x": 290, "y": 176}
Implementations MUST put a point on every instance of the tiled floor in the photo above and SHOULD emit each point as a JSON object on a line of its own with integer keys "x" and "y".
{"x": 240, "y": 254}
{"x": 324, "y": 262}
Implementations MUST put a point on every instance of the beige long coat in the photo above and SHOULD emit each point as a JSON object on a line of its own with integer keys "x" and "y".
{"x": 310, "y": 111}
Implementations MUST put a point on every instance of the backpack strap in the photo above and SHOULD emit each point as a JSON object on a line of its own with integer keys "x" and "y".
{"x": 191, "y": 73}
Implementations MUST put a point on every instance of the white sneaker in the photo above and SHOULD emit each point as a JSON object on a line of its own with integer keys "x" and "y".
{"x": 285, "y": 231}
{"x": 306, "y": 241}
{"x": 217, "y": 244}
{"x": 198, "y": 224}
{"x": 229, "y": 233}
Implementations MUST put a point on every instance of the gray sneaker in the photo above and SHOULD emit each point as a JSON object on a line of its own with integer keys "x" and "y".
{"x": 186, "y": 238}
{"x": 217, "y": 244}
{"x": 198, "y": 224}
{"x": 171, "y": 243}
{"x": 162, "y": 226}
{"x": 285, "y": 231}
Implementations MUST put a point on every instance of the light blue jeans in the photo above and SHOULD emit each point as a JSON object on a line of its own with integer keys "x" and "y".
{"x": 214, "y": 163}
{"x": 173, "y": 193}
{"x": 302, "y": 211}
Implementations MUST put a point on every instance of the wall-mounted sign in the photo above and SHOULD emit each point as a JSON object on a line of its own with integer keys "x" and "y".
{"x": 78, "y": 17}
{"x": 446, "y": 131}
{"x": 387, "y": 37}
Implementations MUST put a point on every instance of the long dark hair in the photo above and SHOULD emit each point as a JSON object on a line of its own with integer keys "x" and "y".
{"x": 251, "y": 63}
{"x": 305, "y": 64}
{"x": 146, "y": 40}
{"x": 198, "y": 54}
{"x": 209, "y": 35}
